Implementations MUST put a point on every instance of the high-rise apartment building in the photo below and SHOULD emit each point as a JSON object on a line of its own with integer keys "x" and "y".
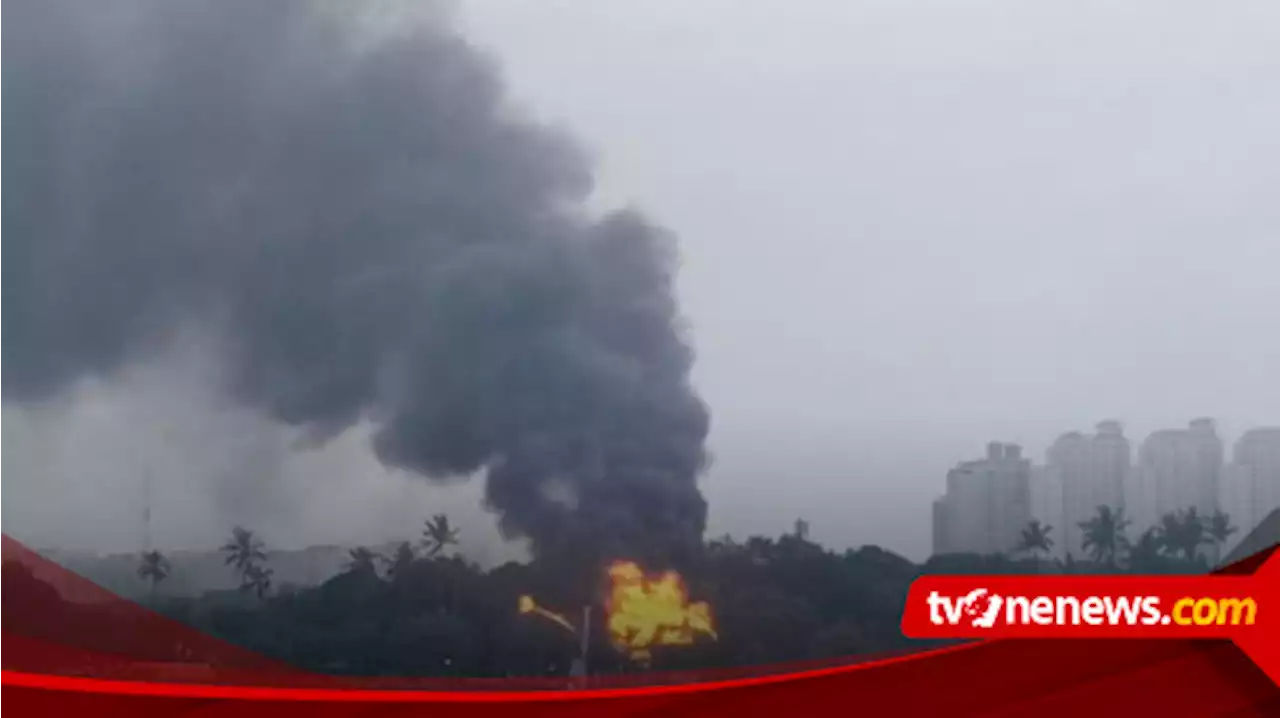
{"x": 987, "y": 503}
{"x": 1178, "y": 469}
{"x": 1250, "y": 487}
{"x": 1091, "y": 472}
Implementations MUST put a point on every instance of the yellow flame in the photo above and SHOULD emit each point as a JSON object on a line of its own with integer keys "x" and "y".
{"x": 643, "y": 612}
{"x": 526, "y": 604}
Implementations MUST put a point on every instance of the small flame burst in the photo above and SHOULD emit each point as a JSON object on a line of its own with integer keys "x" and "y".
{"x": 643, "y": 612}
{"x": 528, "y": 605}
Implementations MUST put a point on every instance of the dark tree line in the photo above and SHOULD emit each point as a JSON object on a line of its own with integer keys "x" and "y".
{"x": 426, "y": 610}
{"x": 1174, "y": 543}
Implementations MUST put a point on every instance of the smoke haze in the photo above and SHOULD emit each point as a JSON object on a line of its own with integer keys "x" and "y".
{"x": 366, "y": 233}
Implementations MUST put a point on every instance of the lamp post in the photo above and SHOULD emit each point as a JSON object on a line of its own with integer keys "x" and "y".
{"x": 579, "y": 668}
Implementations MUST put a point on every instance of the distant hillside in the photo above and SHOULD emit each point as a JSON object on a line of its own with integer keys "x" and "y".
{"x": 197, "y": 572}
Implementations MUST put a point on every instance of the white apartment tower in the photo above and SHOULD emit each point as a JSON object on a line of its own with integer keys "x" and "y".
{"x": 987, "y": 503}
{"x": 1250, "y": 487}
{"x": 1091, "y": 472}
{"x": 1177, "y": 469}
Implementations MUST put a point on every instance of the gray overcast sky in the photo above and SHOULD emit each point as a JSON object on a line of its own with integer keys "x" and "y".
{"x": 912, "y": 227}
{"x": 907, "y": 228}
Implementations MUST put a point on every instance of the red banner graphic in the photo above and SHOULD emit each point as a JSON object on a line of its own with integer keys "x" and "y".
{"x": 71, "y": 647}
{"x": 1244, "y": 609}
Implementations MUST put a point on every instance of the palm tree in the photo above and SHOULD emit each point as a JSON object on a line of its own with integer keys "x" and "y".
{"x": 244, "y": 553}
{"x": 154, "y": 568}
{"x": 1220, "y": 529}
{"x": 1184, "y": 532}
{"x": 1069, "y": 565}
{"x": 1035, "y": 538}
{"x": 363, "y": 560}
{"x": 438, "y": 535}
{"x": 1104, "y": 537}
{"x": 257, "y": 579}
{"x": 1145, "y": 554}
{"x": 398, "y": 564}
{"x": 1169, "y": 531}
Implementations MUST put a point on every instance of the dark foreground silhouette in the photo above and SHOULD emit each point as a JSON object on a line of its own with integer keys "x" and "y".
{"x": 773, "y": 601}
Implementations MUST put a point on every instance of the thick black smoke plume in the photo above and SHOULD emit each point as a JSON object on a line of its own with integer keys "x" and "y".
{"x": 375, "y": 235}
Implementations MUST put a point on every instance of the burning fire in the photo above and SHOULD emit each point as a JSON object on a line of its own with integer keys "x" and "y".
{"x": 528, "y": 605}
{"x": 644, "y": 612}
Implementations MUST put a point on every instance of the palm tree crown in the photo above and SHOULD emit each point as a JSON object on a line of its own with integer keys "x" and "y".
{"x": 257, "y": 579}
{"x": 400, "y": 562}
{"x": 1035, "y": 537}
{"x": 1145, "y": 554}
{"x": 1184, "y": 532}
{"x": 243, "y": 549}
{"x": 438, "y": 535}
{"x": 245, "y": 553}
{"x": 1220, "y": 528}
{"x": 363, "y": 560}
{"x": 154, "y": 568}
{"x": 1104, "y": 537}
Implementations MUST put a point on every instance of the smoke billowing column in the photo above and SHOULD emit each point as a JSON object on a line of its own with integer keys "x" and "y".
{"x": 371, "y": 233}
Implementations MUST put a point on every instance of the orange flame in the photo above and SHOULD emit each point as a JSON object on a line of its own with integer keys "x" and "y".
{"x": 526, "y": 604}
{"x": 644, "y": 612}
